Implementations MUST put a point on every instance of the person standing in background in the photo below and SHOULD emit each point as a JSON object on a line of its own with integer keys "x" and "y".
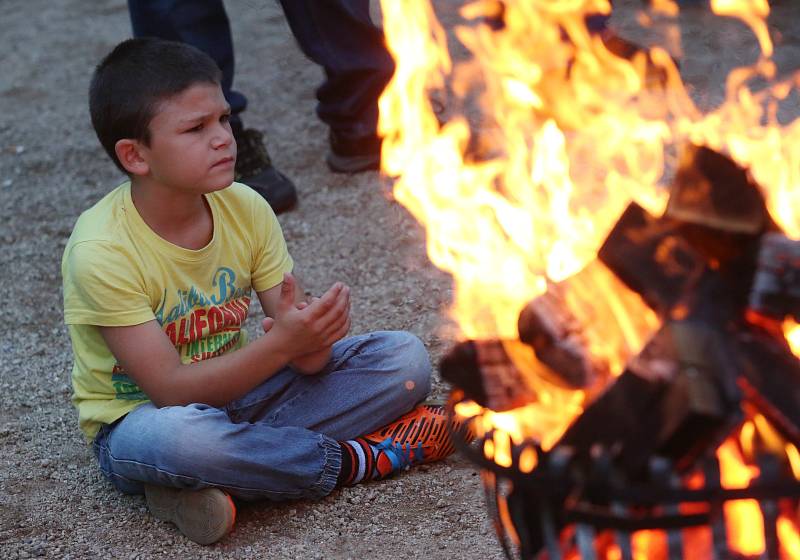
{"x": 339, "y": 35}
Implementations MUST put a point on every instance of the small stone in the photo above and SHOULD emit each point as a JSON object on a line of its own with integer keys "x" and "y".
{"x": 19, "y": 149}
{"x": 7, "y": 183}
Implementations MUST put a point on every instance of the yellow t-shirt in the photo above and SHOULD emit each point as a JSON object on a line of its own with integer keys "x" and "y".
{"x": 119, "y": 272}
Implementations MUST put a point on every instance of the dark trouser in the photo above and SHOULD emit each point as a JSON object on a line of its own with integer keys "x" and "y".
{"x": 336, "y": 34}
{"x": 339, "y": 36}
{"x": 200, "y": 23}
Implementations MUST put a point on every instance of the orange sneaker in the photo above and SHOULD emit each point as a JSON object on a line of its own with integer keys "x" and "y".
{"x": 420, "y": 436}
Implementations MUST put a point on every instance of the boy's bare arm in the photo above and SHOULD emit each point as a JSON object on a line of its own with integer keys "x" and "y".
{"x": 313, "y": 361}
{"x": 147, "y": 355}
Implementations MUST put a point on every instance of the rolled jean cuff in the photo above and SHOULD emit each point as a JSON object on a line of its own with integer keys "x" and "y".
{"x": 330, "y": 469}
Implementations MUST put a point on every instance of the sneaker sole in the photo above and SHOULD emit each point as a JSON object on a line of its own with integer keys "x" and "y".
{"x": 203, "y": 516}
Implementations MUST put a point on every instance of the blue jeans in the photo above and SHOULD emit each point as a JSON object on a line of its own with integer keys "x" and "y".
{"x": 279, "y": 441}
{"x": 336, "y": 34}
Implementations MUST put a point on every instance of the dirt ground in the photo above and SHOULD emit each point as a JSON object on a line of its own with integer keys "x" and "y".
{"x": 53, "y": 501}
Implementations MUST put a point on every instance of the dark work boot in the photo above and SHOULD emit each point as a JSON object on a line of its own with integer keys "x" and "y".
{"x": 254, "y": 168}
{"x": 353, "y": 155}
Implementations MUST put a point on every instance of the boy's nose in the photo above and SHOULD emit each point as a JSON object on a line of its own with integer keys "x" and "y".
{"x": 223, "y": 136}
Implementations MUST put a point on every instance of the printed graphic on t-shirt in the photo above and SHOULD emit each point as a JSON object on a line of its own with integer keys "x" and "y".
{"x": 200, "y": 326}
{"x": 125, "y": 387}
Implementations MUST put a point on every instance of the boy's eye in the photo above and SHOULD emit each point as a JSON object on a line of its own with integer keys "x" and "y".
{"x": 197, "y": 128}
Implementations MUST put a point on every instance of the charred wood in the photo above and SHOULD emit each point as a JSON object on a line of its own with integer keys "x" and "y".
{"x": 487, "y": 375}
{"x": 649, "y": 256}
{"x": 701, "y": 404}
{"x": 713, "y": 191}
{"x": 555, "y": 335}
{"x": 670, "y": 401}
{"x": 770, "y": 380}
{"x": 776, "y": 286}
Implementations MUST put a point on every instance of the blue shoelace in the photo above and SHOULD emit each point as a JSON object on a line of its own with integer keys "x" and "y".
{"x": 400, "y": 456}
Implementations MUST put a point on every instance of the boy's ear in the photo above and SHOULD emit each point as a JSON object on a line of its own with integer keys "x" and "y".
{"x": 129, "y": 153}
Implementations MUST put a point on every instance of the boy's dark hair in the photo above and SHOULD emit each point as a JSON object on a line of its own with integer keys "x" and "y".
{"x": 134, "y": 78}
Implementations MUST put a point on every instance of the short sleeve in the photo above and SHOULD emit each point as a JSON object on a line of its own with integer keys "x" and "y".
{"x": 102, "y": 287}
{"x": 271, "y": 257}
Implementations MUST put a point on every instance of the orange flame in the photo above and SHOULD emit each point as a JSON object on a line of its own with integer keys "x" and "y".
{"x": 792, "y": 331}
{"x": 789, "y": 538}
{"x": 744, "y": 520}
{"x": 569, "y": 135}
{"x": 753, "y": 13}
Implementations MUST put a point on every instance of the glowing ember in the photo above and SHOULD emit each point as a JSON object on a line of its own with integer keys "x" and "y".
{"x": 745, "y": 522}
{"x": 792, "y": 331}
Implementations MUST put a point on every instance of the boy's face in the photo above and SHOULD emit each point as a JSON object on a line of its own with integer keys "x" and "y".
{"x": 191, "y": 144}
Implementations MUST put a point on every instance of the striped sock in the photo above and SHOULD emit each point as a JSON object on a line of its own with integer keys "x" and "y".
{"x": 358, "y": 462}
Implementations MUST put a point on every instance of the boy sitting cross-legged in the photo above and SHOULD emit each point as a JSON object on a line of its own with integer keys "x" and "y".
{"x": 157, "y": 283}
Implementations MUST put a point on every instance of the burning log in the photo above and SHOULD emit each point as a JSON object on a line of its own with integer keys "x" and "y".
{"x": 670, "y": 401}
{"x": 719, "y": 209}
{"x": 770, "y": 380}
{"x": 715, "y": 210}
{"x": 776, "y": 286}
{"x": 555, "y": 335}
{"x": 649, "y": 256}
{"x": 560, "y": 326}
{"x": 700, "y": 406}
{"x": 711, "y": 190}
{"x": 486, "y": 373}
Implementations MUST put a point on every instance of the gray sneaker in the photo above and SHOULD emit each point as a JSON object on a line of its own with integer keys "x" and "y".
{"x": 203, "y": 516}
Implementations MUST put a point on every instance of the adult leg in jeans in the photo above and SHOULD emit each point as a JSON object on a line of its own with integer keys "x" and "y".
{"x": 204, "y": 24}
{"x": 201, "y": 23}
{"x": 279, "y": 441}
{"x": 340, "y": 36}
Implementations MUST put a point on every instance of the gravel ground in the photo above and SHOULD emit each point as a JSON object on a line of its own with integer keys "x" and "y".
{"x": 53, "y": 501}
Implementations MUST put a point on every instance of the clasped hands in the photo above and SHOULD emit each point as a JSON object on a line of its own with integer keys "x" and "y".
{"x": 306, "y": 330}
